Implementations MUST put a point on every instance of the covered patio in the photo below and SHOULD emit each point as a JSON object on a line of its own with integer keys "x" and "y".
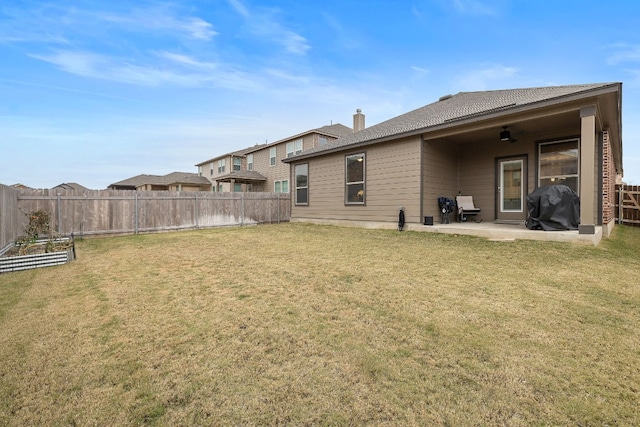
{"x": 251, "y": 180}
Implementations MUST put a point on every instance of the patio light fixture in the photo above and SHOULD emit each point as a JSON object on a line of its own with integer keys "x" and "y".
{"x": 505, "y": 135}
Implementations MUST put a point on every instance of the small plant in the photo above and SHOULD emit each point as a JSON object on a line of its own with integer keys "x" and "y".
{"x": 39, "y": 225}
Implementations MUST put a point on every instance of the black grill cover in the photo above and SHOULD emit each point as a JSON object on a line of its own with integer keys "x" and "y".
{"x": 556, "y": 207}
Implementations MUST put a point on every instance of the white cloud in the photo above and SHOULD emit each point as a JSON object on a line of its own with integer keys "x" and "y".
{"x": 264, "y": 23}
{"x": 473, "y": 7}
{"x": 345, "y": 36}
{"x": 486, "y": 77}
{"x": 187, "y": 60}
{"x": 624, "y": 53}
{"x": 123, "y": 70}
{"x": 51, "y": 23}
{"x": 159, "y": 18}
{"x": 239, "y": 7}
{"x": 417, "y": 13}
{"x": 420, "y": 70}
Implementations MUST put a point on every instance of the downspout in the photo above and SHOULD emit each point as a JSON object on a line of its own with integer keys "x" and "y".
{"x": 58, "y": 214}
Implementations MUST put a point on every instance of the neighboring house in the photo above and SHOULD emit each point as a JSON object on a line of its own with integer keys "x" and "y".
{"x": 229, "y": 172}
{"x": 175, "y": 181}
{"x": 496, "y": 146}
{"x": 71, "y": 186}
{"x": 260, "y": 168}
{"x": 21, "y": 186}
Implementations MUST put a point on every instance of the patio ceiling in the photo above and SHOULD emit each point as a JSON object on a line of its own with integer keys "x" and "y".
{"x": 563, "y": 124}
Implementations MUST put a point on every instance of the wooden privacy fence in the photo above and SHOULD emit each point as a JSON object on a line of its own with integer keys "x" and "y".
{"x": 628, "y": 204}
{"x": 10, "y": 218}
{"x": 101, "y": 212}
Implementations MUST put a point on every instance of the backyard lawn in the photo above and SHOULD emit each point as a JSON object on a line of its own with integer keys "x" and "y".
{"x": 297, "y": 324}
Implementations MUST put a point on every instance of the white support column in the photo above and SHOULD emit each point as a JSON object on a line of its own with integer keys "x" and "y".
{"x": 587, "y": 170}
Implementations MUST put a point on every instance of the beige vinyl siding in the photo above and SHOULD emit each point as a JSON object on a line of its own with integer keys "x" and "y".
{"x": 213, "y": 166}
{"x": 477, "y": 175}
{"x": 278, "y": 172}
{"x": 440, "y": 175}
{"x": 392, "y": 180}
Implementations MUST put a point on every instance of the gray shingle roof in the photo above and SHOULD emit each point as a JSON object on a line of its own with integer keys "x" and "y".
{"x": 172, "y": 178}
{"x": 70, "y": 186}
{"x": 185, "y": 178}
{"x": 451, "y": 109}
{"x": 337, "y": 131}
{"x": 242, "y": 175}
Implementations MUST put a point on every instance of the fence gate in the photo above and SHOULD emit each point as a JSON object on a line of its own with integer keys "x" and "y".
{"x": 628, "y": 204}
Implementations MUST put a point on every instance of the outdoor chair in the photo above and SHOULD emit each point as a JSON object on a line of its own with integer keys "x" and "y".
{"x": 466, "y": 208}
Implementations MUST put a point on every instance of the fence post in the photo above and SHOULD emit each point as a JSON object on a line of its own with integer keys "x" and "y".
{"x": 241, "y": 208}
{"x": 195, "y": 209}
{"x": 135, "y": 215}
{"x": 278, "y": 202}
{"x": 620, "y": 199}
{"x": 58, "y": 213}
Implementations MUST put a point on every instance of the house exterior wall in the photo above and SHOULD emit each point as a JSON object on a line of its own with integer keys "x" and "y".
{"x": 185, "y": 187}
{"x": 279, "y": 171}
{"x": 210, "y": 171}
{"x": 478, "y": 171}
{"x": 392, "y": 179}
{"x": 440, "y": 175}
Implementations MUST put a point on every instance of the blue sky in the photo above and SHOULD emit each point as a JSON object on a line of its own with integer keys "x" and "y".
{"x": 98, "y": 91}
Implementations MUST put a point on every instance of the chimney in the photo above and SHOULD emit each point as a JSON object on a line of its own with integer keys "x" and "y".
{"x": 358, "y": 120}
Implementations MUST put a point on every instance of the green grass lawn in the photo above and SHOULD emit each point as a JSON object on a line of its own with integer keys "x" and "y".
{"x": 298, "y": 324}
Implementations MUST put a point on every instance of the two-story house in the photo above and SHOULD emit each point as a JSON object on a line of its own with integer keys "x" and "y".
{"x": 260, "y": 168}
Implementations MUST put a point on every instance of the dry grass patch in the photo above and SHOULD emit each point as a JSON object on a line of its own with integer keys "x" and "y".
{"x": 309, "y": 325}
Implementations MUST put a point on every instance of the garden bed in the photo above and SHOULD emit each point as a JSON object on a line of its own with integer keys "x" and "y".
{"x": 41, "y": 253}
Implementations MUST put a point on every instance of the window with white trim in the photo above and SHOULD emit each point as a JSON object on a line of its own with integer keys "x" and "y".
{"x": 237, "y": 164}
{"x": 302, "y": 184}
{"x": 294, "y": 147}
{"x": 281, "y": 186}
{"x": 222, "y": 164}
{"x": 559, "y": 163}
{"x": 272, "y": 156}
{"x": 355, "y": 179}
{"x": 249, "y": 162}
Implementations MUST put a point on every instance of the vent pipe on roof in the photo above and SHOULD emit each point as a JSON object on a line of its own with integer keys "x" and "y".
{"x": 358, "y": 121}
{"x": 442, "y": 98}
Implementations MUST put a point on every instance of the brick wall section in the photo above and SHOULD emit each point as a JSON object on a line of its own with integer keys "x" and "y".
{"x": 608, "y": 181}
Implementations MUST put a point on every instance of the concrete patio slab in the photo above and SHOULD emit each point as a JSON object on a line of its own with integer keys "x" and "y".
{"x": 509, "y": 232}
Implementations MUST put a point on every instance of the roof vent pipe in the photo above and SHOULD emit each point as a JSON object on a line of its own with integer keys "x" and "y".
{"x": 442, "y": 98}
